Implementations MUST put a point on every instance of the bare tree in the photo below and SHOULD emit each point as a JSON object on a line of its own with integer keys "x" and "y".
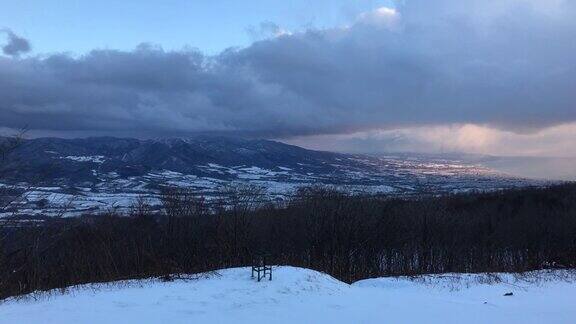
{"x": 179, "y": 204}
{"x": 7, "y": 193}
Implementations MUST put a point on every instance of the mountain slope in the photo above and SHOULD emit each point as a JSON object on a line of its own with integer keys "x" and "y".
{"x": 47, "y": 159}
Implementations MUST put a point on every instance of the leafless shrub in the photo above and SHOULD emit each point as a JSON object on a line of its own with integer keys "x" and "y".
{"x": 141, "y": 207}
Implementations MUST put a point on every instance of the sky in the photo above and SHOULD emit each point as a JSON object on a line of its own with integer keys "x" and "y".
{"x": 485, "y": 77}
{"x": 80, "y": 26}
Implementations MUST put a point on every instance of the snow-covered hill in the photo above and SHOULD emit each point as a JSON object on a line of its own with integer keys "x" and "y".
{"x": 303, "y": 296}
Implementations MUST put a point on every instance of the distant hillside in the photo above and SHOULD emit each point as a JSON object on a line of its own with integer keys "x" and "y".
{"x": 46, "y": 159}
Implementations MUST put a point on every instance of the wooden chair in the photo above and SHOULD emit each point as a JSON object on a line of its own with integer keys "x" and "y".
{"x": 260, "y": 267}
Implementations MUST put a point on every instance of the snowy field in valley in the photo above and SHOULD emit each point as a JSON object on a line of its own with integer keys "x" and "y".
{"x": 303, "y": 296}
{"x": 99, "y": 185}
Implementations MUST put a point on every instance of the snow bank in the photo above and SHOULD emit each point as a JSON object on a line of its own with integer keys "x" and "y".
{"x": 301, "y": 296}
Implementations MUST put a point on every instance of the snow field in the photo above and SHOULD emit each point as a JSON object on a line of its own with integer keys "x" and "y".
{"x": 299, "y": 295}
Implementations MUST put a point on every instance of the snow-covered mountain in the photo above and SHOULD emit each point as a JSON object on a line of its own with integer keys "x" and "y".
{"x": 297, "y": 295}
{"x": 95, "y": 174}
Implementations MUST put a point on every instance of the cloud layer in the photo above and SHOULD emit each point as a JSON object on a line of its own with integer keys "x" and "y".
{"x": 508, "y": 64}
{"x": 557, "y": 141}
{"x": 16, "y": 45}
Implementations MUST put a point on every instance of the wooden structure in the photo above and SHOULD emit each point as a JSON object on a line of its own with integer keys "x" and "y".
{"x": 260, "y": 268}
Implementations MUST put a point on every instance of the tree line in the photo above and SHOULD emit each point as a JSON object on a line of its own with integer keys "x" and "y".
{"x": 350, "y": 237}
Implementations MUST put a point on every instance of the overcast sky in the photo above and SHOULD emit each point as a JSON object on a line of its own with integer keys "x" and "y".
{"x": 478, "y": 76}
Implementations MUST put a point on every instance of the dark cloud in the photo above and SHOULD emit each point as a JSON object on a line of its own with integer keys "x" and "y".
{"x": 16, "y": 45}
{"x": 508, "y": 64}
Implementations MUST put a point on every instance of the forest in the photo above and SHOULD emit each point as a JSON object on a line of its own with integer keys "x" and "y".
{"x": 350, "y": 237}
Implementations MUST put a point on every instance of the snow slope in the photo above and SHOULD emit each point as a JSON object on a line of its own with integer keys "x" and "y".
{"x": 302, "y": 296}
